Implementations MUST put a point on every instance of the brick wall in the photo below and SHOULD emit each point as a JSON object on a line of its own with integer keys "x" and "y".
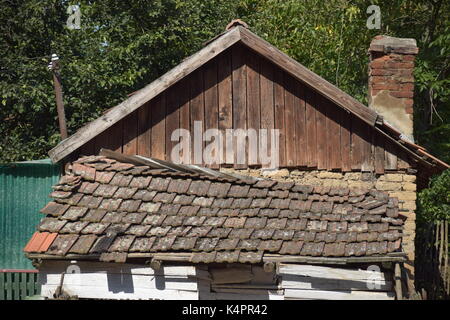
{"x": 397, "y": 184}
{"x": 391, "y": 80}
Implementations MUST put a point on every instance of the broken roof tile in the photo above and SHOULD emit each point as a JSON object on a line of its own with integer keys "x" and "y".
{"x": 87, "y": 173}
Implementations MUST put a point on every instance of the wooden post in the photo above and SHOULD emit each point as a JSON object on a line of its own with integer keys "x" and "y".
{"x": 269, "y": 266}
{"x": 398, "y": 282}
{"x": 155, "y": 264}
{"x": 59, "y": 96}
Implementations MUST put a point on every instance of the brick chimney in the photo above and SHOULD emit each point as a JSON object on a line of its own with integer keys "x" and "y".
{"x": 391, "y": 81}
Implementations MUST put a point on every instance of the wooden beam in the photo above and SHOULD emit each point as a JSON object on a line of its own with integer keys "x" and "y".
{"x": 186, "y": 256}
{"x": 398, "y": 282}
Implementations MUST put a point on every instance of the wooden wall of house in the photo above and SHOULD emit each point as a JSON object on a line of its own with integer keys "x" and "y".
{"x": 99, "y": 280}
{"x": 240, "y": 89}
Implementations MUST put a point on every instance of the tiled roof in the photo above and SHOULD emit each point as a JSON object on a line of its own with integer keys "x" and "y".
{"x": 103, "y": 206}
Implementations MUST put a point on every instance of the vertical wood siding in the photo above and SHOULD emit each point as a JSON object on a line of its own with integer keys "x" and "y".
{"x": 238, "y": 90}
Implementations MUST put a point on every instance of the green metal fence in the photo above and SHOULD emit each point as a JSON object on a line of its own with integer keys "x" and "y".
{"x": 18, "y": 285}
{"x": 24, "y": 190}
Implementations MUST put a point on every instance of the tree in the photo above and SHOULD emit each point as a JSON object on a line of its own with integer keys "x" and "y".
{"x": 121, "y": 46}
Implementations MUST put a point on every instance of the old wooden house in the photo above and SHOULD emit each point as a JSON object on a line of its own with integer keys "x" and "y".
{"x": 241, "y": 174}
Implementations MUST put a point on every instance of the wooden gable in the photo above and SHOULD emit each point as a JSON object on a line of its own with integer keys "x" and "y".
{"x": 239, "y": 88}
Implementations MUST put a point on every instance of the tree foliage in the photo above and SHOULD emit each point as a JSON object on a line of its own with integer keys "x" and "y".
{"x": 434, "y": 202}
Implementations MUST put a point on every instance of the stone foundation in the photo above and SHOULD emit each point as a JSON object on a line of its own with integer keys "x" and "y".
{"x": 399, "y": 184}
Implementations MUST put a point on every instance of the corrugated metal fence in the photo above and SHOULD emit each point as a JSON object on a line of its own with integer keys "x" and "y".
{"x": 24, "y": 189}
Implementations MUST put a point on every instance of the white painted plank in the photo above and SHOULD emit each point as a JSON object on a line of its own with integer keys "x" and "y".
{"x": 120, "y": 281}
{"x": 245, "y": 291}
{"x": 303, "y": 282}
{"x": 337, "y": 295}
{"x": 93, "y": 267}
{"x": 330, "y": 272}
{"x": 238, "y": 296}
{"x": 93, "y": 292}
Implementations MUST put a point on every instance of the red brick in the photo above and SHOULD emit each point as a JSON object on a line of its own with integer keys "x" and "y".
{"x": 386, "y": 86}
{"x": 402, "y": 94}
{"x": 408, "y": 57}
{"x": 381, "y": 72}
{"x": 408, "y": 86}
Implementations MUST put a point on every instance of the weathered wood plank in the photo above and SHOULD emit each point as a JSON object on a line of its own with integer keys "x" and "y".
{"x": 231, "y": 275}
{"x": 278, "y": 92}
{"x": 129, "y": 133}
{"x": 136, "y": 281}
{"x": 311, "y": 132}
{"x": 267, "y": 105}
{"x": 321, "y": 129}
{"x": 300, "y": 123}
{"x": 337, "y": 295}
{"x": 144, "y": 137}
{"x": 93, "y": 292}
{"x": 88, "y": 148}
{"x": 197, "y": 114}
{"x": 172, "y": 118}
{"x": 238, "y": 296}
{"x": 330, "y": 272}
{"x": 333, "y": 137}
{"x": 379, "y": 153}
{"x": 312, "y": 283}
{"x": 390, "y": 157}
{"x": 158, "y": 139}
{"x": 289, "y": 120}
{"x": 211, "y": 106}
{"x": 357, "y": 143}
{"x": 224, "y": 86}
{"x": 111, "y": 139}
{"x": 239, "y": 103}
{"x": 346, "y": 140}
{"x": 253, "y": 103}
{"x": 184, "y": 113}
{"x": 368, "y": 152}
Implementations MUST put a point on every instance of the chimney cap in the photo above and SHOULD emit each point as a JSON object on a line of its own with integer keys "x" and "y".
{"x": 387, "y": 44}
{"x": 235, "y": 23}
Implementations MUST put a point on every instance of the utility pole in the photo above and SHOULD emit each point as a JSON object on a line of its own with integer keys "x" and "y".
{"x": 54, "y": 67}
